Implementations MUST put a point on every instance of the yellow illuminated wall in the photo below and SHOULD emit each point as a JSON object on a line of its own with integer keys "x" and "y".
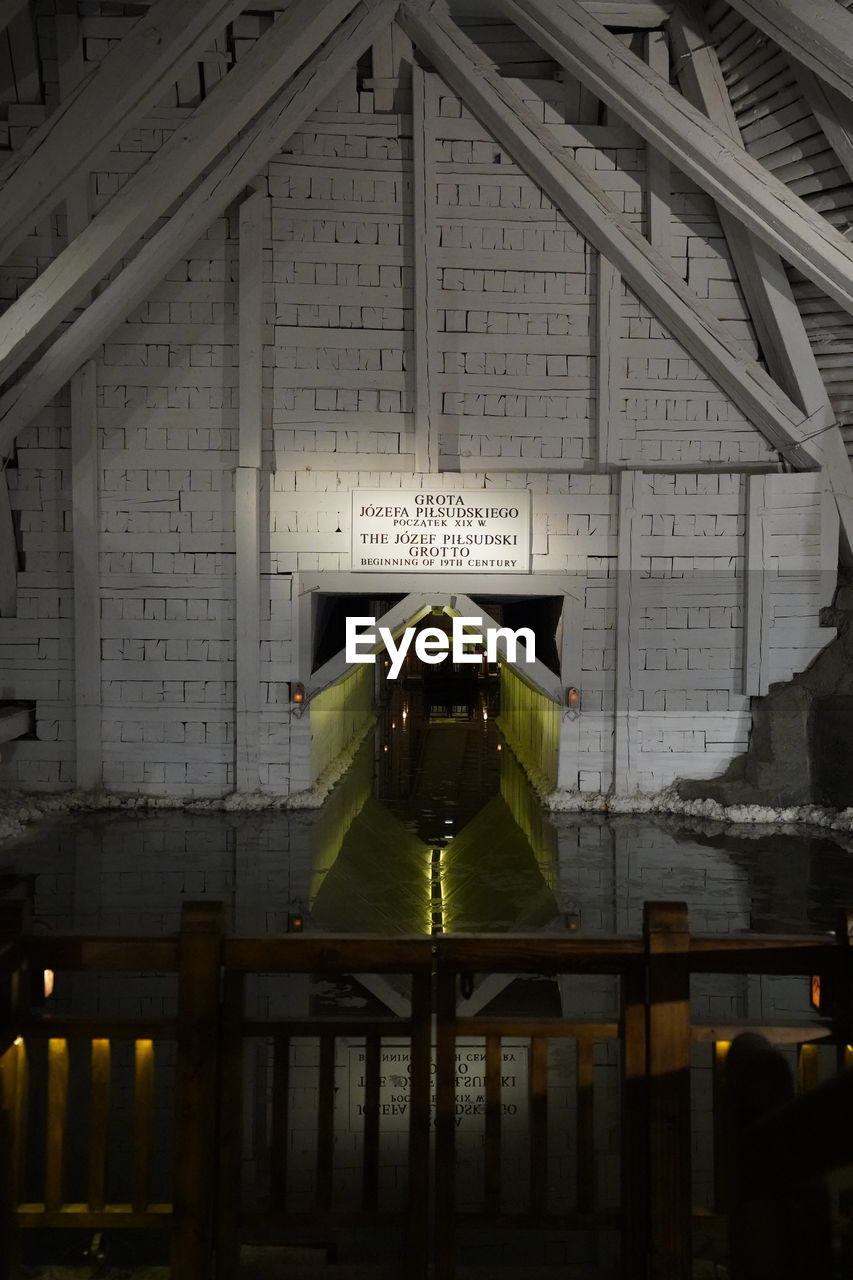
{"x": 340, "y": 716}
{"x": 530, "y": 722}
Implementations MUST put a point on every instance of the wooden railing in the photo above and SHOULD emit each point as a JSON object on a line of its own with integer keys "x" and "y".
{"x": 203, "y": 1049}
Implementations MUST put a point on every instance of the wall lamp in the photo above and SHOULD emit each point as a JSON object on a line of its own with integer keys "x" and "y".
{"x": 573, "y": 698}
{"x": 297, "y": 693}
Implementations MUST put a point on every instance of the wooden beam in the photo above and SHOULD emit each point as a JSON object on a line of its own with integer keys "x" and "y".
{"x": 85, "y": 472}
{"x": 24, "y": 57}
{"x": 132, "y": 77}
{"x": 9, "y": 9}
{"x": 632, "y": 488}
{"x": 184, "y": 156}
{"x": 8, "y": 553}
{"x": 767, "y": 290}
{"x": 87, "y": 587}
{"x": 72, "y": 70}
{"x": 658, "y": 191}
{"x": 223, "y": 184}
{"x": 608, "y": 334}
{"x": 818, "y": 34}
{"x": 756, "y": 621}
{"x": 700, "y": 149}
{"x": 833, "y": 113}
{"x": 424, "y": 239}
{"x": 590, "y": 210}
{"x": 254, "y": 221}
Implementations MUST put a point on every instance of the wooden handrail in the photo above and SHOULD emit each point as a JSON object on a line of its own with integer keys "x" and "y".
{"x": 210, "y": 969}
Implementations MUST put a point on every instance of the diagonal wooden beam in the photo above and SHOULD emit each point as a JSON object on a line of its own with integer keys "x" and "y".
{"x": 132, "y": 77}
{"x": 589, "y": 209}
{"x": 8, "y": 10}
{"x": 817, "y": 33}
{"x": 181, "y": 160}
{"x": 761, "y": 273}
{"x": 238, "y": 165}
{"x": 833, "y": 113}
{"x": 662, "y": 116}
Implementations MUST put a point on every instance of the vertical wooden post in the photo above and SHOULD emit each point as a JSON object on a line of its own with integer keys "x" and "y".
{"x": 425, "y": 238}
{"x": 13, "y": 1095}
{"x": 230, "y": 1129}
{"x": 199, "y": 970}
{"x": 419, "y": 1124}
{"x": 668, "y": 1057}
{"x": 445, "y": 1124}
{"x": 843, "y": 1017}
{"x": 14, "y": 925}
{"x": 254, "y": 219}
{"x": 635, "y": 1131}
{"x": 14, "y": 995}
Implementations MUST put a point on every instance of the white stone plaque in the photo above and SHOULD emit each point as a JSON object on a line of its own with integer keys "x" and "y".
{"x": 435, "y": 531}
{"x": 394, "y": 1069}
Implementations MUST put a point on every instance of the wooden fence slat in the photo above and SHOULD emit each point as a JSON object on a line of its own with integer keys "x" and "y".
{"x": 445, "y": 1124}
{"x": 668, "y": 1057}
{"x": 492, "y": 1153}
{"x": 99, "y": 1117}
{"x": 143, "y": 1111}
{"x": 57, "y": 1115}
{"x": 196, "y": 1087}
{"x": 538, "y": 1135}
{"x": 326, "y": 1124}
{"x": 808, "y": 1076}
{"x": 229, "y": 1163}
{"x": 279, "y": 1136}
{"x": 420, "y": 1126}
{"x": 370, "y": 1139}
{"x": 12, "y": 1064}
{"x": 586, "y": 1124}
{"x": 722, "y": 1174}
{"x": 634, "y": 1123}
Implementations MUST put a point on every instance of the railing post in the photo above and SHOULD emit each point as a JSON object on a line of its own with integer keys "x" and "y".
{"x": 197, "y": 1084}
{"x": 843, "y": 1016}
{"x": 14, "y": 924}
{"x": 230, "y": 1138}
{"x": 419, "y": 1206}
{"x": 667, "y": 940}
{"x": 635, "y": 1123}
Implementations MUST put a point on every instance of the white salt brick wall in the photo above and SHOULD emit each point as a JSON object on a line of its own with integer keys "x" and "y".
{"x": 514, "y": 367}
{"x": 36, "y": 647}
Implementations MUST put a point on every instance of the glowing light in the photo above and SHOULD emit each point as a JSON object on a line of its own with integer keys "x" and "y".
{"x": 499, "y": 747}
{"x": 49, "y": 980}
{"x": 19, "y": 1040}
{"x": 405, "y": 714}
{"x": 297, "y": 693}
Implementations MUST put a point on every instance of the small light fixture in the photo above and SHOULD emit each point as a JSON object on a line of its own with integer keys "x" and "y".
{"x": 297, "y": 693}
{"x": 49, "y": 981}
{"x": 573, "y": 698}
{"x": 295, "y": 922}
